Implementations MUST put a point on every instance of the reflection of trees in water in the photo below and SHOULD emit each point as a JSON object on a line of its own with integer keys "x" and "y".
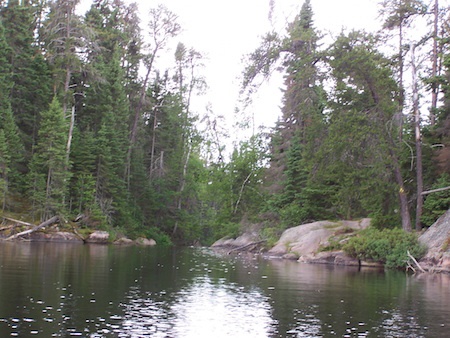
{"x": 348, "y": 301}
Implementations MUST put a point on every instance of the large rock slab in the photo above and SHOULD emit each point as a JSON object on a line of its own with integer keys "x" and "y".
{"x": 308, "y": 238}
{"x": 244, "y": 239}
{"x": 57, "y": 236}
{"x": 437, "y": 240}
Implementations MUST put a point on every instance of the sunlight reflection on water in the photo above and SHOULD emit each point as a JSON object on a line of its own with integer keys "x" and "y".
{"x": 204, "y": 309}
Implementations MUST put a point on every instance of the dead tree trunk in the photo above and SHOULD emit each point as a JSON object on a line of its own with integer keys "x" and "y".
{"x": 50, "y": 221}
{"x": 418, "y": 139}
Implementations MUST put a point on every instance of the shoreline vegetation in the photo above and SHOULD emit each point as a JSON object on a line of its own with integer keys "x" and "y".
{"x": 355, "y": 243}
{"x": 344, "y": 243}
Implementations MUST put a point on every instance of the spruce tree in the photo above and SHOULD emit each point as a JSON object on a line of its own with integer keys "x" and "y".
{"x": 302, "y": 123}
{"x": 12, "y": 163}
{"x": 48, "y": 177}
{"x": 31, "y": 92}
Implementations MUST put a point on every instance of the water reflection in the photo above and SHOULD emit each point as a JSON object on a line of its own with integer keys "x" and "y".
{"x": 221, "y": 310}
{"x": 103, "y": 291}
{"x": 204, "y": 309}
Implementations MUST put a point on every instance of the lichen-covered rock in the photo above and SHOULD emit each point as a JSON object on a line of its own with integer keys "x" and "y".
{"x": 145, "y": 242}
{"x": 245, "y": 239}
{"x": 57, "y": 236}
{"x": 123, "y": 241}
{"x": 437, "y": 237}
{"x": 98, "y": 237}
{"x": 309, "y": 238}
{"x": 437, "y": 240}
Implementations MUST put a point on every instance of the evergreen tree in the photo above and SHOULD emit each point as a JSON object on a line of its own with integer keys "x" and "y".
{"x": 4, "y": 169}
{"x": 48, "y": 176}
{"x": 12, "y": 155}
{"x": 103, "y": 125}
{"x": 361, "y": 136}
{"x": 302, "y": 123}
{"x": 29, "y": 74}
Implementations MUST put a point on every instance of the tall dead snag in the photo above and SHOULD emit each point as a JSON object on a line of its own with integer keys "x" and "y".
{"x": 163, "y": 25}
{"x": 418, "y": 139}
{"x": 434, "y": 68}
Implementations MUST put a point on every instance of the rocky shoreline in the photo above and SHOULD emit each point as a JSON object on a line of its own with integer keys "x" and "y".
{"x": 96, "y": 237}
{"x": 309, "y": 243}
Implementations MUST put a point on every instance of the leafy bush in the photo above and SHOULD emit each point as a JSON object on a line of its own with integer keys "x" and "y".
{"x": 387, "y": 246}
{"x": 381, "y": 220}
{"x": 160, "y": 237}
{"x": 271, "y": 235}
{"x": 332, "y": 245}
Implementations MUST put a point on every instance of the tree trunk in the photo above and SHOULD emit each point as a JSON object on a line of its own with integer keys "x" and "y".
{"x": 404, "y": 209}
{"x": 401, "y": 100}
{"x": 418, "y": 140}
{"x": 134, "y": 127}
{"x": 434, "y": 69}
{"x": 152, "y": 152}
{"x": 50, "y": 221}
{"x": 69, "y": 137}
{"x": 182, "y": 183}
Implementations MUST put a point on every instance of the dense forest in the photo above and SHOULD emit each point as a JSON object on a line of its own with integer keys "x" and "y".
{"x": 90, "y": 129}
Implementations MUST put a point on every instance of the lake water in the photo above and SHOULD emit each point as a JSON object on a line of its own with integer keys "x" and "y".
{"x": 66, "y": 290}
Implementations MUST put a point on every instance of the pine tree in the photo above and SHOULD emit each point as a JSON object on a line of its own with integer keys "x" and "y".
{"x": 361, "y": 136}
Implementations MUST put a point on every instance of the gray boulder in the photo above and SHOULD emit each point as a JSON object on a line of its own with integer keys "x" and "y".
{"x": 307, "y": 239}
{"x": 98, "y": 237}
{"x": 437, "y": 240}
{"x": 145, "y": 242}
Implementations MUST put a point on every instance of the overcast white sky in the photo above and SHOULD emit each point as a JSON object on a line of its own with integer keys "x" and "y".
{"x": 224, "y": 31}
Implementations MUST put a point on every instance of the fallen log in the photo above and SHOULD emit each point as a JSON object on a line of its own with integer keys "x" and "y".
{"x": 50, "y": 221}
{"x": 243, "y": 247}
{"x": 17, "y": 221}
{"x": 8, "y": 227}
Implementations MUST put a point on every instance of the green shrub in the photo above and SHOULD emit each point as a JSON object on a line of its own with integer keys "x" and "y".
{"x": 160, "y": 237}
{"x": 387, "y": 246}
{"x": 333, "y": 245}
{"x": 271, "y": 235}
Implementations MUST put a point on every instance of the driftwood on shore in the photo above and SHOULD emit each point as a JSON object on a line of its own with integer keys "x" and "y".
{"x": 50, "y": 221}
{"x": 416, "y": 263}
{"x": 248, "y": 247}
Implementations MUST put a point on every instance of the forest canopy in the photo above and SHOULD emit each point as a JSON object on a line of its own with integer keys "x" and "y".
{"x": 91, "y": 128}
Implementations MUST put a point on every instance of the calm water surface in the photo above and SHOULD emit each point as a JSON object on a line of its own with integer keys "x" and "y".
{"x": 60, "y": 290}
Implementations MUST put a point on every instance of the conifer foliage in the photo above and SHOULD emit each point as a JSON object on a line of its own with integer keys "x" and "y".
{"x": 93, "y": 127}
